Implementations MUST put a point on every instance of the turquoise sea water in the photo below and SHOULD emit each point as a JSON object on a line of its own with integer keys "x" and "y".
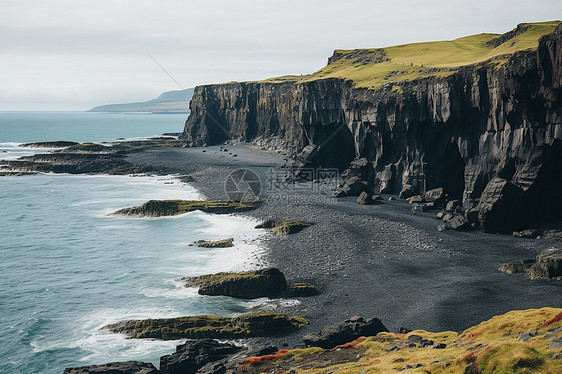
{"x": 68, "y": 267}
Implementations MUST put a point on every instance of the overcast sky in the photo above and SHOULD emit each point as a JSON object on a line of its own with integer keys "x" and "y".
{"x": 76, "y": 54}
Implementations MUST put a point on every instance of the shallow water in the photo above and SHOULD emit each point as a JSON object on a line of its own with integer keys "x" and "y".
{"x": 69, "y": 268}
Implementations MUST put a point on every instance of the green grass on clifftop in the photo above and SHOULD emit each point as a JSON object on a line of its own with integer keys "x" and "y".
{"x": 371, "y": 68}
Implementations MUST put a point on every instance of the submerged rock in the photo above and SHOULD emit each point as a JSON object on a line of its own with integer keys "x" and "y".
{"x": 128, "y": 367}
{"x": 159, "y": 208}
{"x": 225, "y": 243}
{"x": 200, "y": 327}
{"x": 344, "y": 332}
{"x": 246, "y": 285}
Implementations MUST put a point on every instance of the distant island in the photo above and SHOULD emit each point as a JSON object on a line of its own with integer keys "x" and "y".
{"x": 169, "y": 102}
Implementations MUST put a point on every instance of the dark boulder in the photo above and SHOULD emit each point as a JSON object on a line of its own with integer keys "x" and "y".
{"x": 284, "y": 226}
{"x": 344, "y": 332}
{"x": 501, "y": 207}
{"x": 364, "y": 198}
{"x": 529, "y": 233}
{"x": 517, "y": 266}
{"x": 458, "y": 222}
{"x": 194, "y": 355}
{"x": 128, "y": 367}
{"x": 352, "y": 186}
{"x": 472, "y": 216}
{"x": 302, "y": 290}
{"x": 407, "y": 191}
{"x": 453, "y": 205}
{"x": 246, "y": 285}
{"x": 547, "y": 265}
{"x": 436, "y": 195}
{"x": 376, "y": 199}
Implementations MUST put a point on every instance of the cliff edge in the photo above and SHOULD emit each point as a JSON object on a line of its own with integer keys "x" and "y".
{"x": 479, "y": 116}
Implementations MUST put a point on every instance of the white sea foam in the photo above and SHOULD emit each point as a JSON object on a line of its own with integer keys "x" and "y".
{"x": 102, "y": 344}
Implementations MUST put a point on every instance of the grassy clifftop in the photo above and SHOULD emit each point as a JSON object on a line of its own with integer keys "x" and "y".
{"x": 371, "y": 68}
{"x": 527, "y": 341}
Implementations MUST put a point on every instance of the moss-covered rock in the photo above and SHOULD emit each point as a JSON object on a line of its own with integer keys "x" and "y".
{"x": 246, "y": 285}
{"x": 283, "y": 227}
{"x": 159, "y": 208}
{"x": 196, "y": 327}
{"x": 302, "y": 290}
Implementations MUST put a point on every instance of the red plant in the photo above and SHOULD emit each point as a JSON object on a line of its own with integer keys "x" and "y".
{"x": 556, "y": 318}
{"x": 352, "y": 344}
{"x": 474, "y": 336}
{"x": 258, "y": 359}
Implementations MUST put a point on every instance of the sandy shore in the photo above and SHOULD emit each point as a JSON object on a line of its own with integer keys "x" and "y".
{"x": 378, "y": 260}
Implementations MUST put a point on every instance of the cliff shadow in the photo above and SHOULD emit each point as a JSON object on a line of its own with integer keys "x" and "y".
{"x": 335, "y": 146}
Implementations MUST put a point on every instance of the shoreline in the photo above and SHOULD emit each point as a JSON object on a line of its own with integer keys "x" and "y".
{"x": 377, "y": 260}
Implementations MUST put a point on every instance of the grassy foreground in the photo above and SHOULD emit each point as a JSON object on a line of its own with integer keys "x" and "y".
{"x": 371, "y": 68}
{"x": 516, "y": 342}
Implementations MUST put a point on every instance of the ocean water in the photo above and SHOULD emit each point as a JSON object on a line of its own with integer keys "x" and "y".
{"x": 69, "y": 267}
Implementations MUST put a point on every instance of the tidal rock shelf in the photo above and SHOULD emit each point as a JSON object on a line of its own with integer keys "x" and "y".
{"x": 87, "y": 158}
{"x": 198, "y": 327}
{"x": 162, "y": 208}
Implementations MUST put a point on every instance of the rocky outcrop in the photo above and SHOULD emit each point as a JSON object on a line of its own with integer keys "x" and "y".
{"x": 128, "y": 367}
{"x": 199, "y": 356}
{"x": 460, "y": 131}
{"x": 344, "y": 332}
{"x": 302, "y": 290}
{"x": 213, "y": 327}
{"x": 547, "y": 265}
{"x": 55, "y": 144}
{"x": 160, "y": 208}
{"x": 284, "y": 226}
{"x": 246, "y": 285}
{"x": 87, "y": 158}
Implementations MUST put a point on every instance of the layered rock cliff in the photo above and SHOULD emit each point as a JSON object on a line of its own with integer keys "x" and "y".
{"x": 497, "y": 120}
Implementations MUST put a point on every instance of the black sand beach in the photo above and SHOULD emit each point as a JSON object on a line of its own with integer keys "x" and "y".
{"x": 376, "y": 260}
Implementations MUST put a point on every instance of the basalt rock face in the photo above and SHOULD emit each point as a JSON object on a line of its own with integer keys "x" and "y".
{"x": 459, "y": 132}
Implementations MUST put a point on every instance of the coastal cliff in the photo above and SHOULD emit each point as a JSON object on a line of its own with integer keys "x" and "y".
{"x": 420, "y": 116}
